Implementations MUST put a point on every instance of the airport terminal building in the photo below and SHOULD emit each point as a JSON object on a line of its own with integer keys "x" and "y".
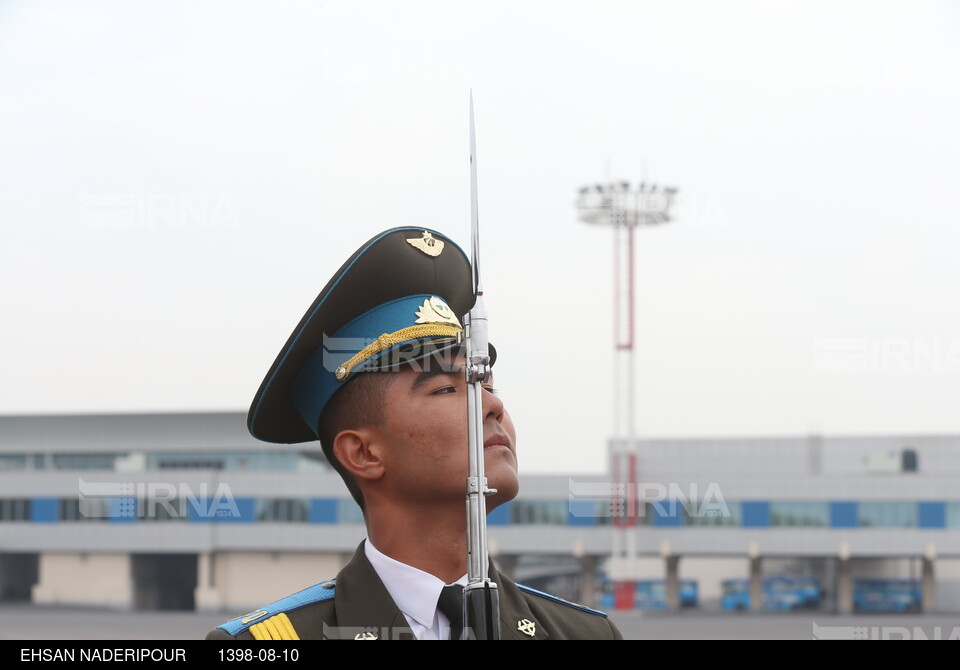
{"x": 188, "y": 511}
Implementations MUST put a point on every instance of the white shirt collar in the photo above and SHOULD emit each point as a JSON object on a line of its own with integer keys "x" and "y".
{"x": 414, "y": 591}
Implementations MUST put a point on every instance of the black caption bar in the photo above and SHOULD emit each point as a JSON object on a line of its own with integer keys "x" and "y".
{"x": 173, "y": 653}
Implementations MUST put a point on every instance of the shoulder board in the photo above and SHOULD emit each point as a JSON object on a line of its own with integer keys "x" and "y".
{"x": 547, "y": 596}
{"x": 313, "y": 594}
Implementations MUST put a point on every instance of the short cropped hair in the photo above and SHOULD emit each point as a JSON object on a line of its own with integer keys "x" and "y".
{"x": 357, "y": 405}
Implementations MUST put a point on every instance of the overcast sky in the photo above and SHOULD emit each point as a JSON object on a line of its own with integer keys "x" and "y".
{"x": 178, "y": 180}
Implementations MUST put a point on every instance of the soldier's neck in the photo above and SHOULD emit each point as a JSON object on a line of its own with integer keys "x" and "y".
{"x": 436, "y": 544}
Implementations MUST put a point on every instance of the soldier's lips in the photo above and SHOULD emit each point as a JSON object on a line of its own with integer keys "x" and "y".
{"x": 497, "y": 442}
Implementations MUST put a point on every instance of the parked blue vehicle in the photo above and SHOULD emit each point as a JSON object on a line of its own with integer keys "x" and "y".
{"x": 735, "y": 595}
{"x": 887, "y": 595}
{"x": 779, "y": 594}
{"x": 648, "y": 594}
{"x": 651, "y": 594}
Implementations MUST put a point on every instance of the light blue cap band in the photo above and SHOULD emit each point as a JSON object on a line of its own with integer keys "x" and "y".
{"x": 317, "y": 381}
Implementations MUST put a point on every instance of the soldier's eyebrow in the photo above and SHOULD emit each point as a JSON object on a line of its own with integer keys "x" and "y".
{"x": 427, "y": 375}
{"x": 424, "y": 377}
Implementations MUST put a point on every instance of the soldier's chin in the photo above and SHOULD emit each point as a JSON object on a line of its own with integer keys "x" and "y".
{"x": 507, "y": 490}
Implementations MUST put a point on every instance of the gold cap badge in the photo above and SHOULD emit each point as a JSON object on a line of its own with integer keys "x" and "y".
{"x": 435, "y": 310}
{"x": 428, "y": 244}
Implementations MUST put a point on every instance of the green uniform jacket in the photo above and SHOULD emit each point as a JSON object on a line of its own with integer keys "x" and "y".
{"x": 357, "y": 606}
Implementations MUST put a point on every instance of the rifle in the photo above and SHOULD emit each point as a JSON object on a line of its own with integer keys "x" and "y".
{"x": 481, "y": 600}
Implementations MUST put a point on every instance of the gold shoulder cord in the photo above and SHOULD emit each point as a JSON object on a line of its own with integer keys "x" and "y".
{"x": 276, "y": 627}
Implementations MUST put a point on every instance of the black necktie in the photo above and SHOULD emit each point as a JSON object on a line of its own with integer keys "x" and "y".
{"x": 451, "y": 604}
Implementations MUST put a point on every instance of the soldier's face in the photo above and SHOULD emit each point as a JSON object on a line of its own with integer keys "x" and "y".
{"x": 425, "y": 430}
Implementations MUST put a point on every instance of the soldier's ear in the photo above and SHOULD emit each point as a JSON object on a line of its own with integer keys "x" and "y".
{"x": 359, "y": 453}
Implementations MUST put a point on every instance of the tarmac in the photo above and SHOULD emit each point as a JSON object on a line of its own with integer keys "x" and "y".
{"x": 32, "y": 622}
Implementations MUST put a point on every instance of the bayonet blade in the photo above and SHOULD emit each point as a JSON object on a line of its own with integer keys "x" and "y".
{"x": 474, "y": 206}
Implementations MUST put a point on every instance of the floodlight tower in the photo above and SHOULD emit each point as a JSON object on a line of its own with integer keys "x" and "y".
{"x": 625, "y": 208}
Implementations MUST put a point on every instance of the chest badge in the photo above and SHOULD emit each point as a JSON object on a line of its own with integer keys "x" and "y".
{"x": 526, "y": 626}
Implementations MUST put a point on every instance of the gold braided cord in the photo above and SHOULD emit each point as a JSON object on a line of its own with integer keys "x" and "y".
{"x": 277, "y": 627}
{"x": 271, "y": 626}
{"x": 388, "y": 340}
{"x": 286, "y": 626}
{"x": 260, "y": 632}
{"x": 275, "y": 632}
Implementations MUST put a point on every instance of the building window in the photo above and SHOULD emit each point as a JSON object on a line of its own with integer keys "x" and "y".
{"x": 348, "y": 511}
{"x": 312, "y": 461}
{"x": 800, "y": 514}
{"x": 539, "y": 512}
{"x": 13, "y": 461}
{"x": 161, "y": 509}
{"x": 712, "y": 514}
{"x": 953, "y": 515}
{"x": 603, "y": 512}
{"x": 82, "y": 509}
{"x": 617, "y": 511}
{"x": 84, "y": 461}
{"x": 888, "y": 514}
{"x": 14, "y": 509}
{"x": 245, "y": 461}
{"x": 909, "y": 460}
{"x": 180, "y": 464}
{"x": 283, "y": 510}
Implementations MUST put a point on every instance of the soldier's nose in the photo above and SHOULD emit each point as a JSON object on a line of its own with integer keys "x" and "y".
{"x": 492, "y": 404}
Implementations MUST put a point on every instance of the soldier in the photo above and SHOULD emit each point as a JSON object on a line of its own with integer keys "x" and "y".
{"x": 374, "y": 370}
